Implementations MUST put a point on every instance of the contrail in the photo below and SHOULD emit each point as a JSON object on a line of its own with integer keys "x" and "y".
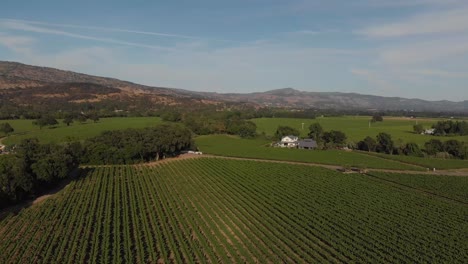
{"x": 150, "y": 33}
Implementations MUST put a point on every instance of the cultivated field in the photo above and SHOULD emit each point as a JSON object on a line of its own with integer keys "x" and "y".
{"x": 453, "y": 187}
{"x": 356, "y": 128}
{"x": 429, "y": 163}
{"x": 76, "y": 131}
{"x": 226, "y": 211}
{"x": 248, "y": 148}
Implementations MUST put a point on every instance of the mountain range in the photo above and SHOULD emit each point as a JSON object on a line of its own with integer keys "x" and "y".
{"x": 20, "y": 82}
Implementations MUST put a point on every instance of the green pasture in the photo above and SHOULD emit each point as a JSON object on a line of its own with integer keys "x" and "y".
{"x": 224, "y": 145}
{"x": 356, "y": 128}
{"x": 76, "y": 131}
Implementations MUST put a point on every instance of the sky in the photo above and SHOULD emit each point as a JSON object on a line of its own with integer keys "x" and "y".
{"x": 404, "y": 48}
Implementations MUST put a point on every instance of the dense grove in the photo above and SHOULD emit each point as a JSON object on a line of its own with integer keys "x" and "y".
{"x": 35, "y": 168}
{"x": 137, "y": 145}
{"x": 226, "y": 211}
{"x": 443, "y": 128}
{"x": 432, "y": 148}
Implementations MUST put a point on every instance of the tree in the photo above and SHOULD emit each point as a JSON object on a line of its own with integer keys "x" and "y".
{"x": 384, "y": 143}
{"x": 455, "y": 148}
{"x": 282, "y": 131}
{"x": 94, "y": 116}
{"x": 433, "y": 146}
{"x": 334, "y": 138}
{"x": 368, "y": 144}
{"x": 6, "y": 128}
{"x": 412, "y": 149}
{"x": 316, "y": 132}
{"x": 377, "y": 118}
{"x": 418, "y": 128}
{"x": 68, "y": 120}
{"x": 81, "y": 118}
{"x": 45, "y": 121}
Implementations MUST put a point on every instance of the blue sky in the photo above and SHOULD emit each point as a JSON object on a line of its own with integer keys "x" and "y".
{"x": 405, "y": 48}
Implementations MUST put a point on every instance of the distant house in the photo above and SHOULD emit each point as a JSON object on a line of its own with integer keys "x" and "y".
{"x": 288, "y": 142}
{"x": 429, "y": 131}
{"x": 307, "y": 143}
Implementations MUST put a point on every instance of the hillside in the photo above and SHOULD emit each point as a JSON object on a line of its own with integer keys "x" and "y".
{"x": 22, "y": 83}
{"x": 289, "y": 97}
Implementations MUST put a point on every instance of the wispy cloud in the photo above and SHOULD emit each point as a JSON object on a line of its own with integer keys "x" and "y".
{"x": 110, "y": 29}
{"x": 425, "y": 51}
{"x": 19, "y": 44}
{"x": 21, "y": 26}
{"x": 452, "y": 21}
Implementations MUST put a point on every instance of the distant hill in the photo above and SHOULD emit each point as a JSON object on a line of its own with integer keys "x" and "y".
{"x": 289, "y": 97}
{"x": 20, "y": 82}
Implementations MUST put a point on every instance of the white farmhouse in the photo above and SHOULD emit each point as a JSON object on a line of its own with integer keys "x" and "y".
{"x": 429, "y": 131}
{"x": 288, "y": 141}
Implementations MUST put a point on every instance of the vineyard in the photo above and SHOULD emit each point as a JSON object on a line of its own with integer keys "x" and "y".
{"x": 229, "y": 211}
{"x": 453, "y": 187}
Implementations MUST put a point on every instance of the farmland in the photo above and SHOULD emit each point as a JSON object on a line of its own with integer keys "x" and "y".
{"x": 247, "y": 148}
{"x": 440, "y": 164}
{"x": 76, "y": 131}
{"x": 356, "y": 128}
{"x": 216, "y": 210}
{"x": 453, "y": 187}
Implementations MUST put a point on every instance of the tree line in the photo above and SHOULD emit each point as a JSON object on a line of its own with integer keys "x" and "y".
{"x": 34, "y": 168}
{"x": 383, "y": 143}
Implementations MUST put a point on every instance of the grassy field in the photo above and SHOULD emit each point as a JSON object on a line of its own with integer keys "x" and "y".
{"x": 454, "y": 187}
{"x": 440, "y": 164}
{"x": 356, "y": 128}
{"x": 76, "y": 131}
{"x": 247, "y": 148}
{"x": 226, "y": 211}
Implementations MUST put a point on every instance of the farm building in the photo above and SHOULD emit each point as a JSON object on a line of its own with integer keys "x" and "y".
{"x": 307, "y": 143}
{"x": 288, "y": 142}
{"x": 429, "y": 131}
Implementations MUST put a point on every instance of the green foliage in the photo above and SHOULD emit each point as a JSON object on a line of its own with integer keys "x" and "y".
{"x": 412, "y": 149}
{"x": 316, "y": 132}
{"x": 384, "y": 143}
{"x": 334, "y": 138}
{"x": 450, "y": 127}
{"x": 368, "y": 144}
{"x": 456, "y": 148}
{"x": 6, "y": 128}
{"x": 283, "y": 131}
{"x": 45, "y": 121}
{"x": 171, "y": 116}
{"x": 418, "y": 128}
{"x": 245, "y": 129}
{"x": 433, "y": 146}
{"x": 33, "y": 168}
{"x": 226, "y": 211}
{"x": 137, "y": 145}
{"x": 68, "y": 120}
{"x": 377, "y": 118}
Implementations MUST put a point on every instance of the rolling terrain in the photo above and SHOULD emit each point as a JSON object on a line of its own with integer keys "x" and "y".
{"x": 18, "y": 79}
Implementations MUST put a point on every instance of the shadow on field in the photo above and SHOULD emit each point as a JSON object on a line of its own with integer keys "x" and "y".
{"x": 74, "y": 176}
